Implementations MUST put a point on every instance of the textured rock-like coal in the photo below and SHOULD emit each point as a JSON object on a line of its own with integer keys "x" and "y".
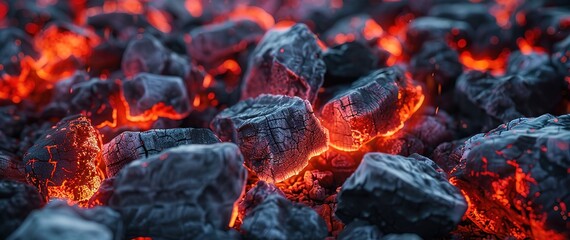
{"x": 437, "y": 65}
{"x": 347, "y": 62}
{"x": 17, "y": 200}
{"x": 130, "y": 146}
{"x": 93, "y": 98}
{"x": 516, "y": 178}
{"x": 405, "y": 195}
{"x": 216, "y": 42}
{"x": 256, "y": 196}
{"x": 424, "y": 29}
{"x": 58, "y": 220}
{"x": 494, "y": 100}
{"x": 287, "y": 62}
{"x": 154, "y": 95}
{"x": 359, "y": 229}
{"x": 11, "y": 167}
{"x": 374, "y": 105}
{"x": 532, "y": 64}
{"x": 65, "y": 162}
{"x": 180, "y": 193}
{"x": 561, "y": 58}
{"x": 146, "y": 54}
{"x": 278, "y": 218}
{"x": 277, "y": 134}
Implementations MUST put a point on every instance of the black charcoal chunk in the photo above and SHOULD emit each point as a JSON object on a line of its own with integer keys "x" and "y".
{"x": 146, "y": 54}
{"x": 58, "y": 220}
{"x": 425, "y": 29}
{"x": 287, "y": 62}
{"x": 447, "y": 155}
{"x": 359, "y": 229}
{"x": 401, "y": 195}
{"x": 180, "y": 193}
{"x": 516, "y": 178}
{"x": 256, "y": 196}
{"x": 437, "y": 66}
{"x": 212, "y": 43}
{"x": 11, "y": 167}
{"x": 129, "y": 146}
{"x": 347, "y": 62}
{"x": 375, "y": 105}
{"x": 278, "y": 218}
{"x": 533, "y": 64}
{"x": 156, "y": 95}
{"x": 93, "y": 99}
{"x": 475, "y": 14}
{"x": 561, "y": 59}
{"x": 17, "y": 201}
{"x": 277, "y": 134}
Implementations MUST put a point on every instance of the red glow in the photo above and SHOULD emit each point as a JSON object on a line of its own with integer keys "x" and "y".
{"x": 393, "y": 46}
{"x": 194, "y": 7}
{"x": 258, "y": 15}
{"x": 496, "y": 66}
{"x": 502, "y": 11}
{"x": 159, "y": 20}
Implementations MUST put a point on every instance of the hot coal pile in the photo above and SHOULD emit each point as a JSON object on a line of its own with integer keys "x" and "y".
{"x": 306, "y": 119}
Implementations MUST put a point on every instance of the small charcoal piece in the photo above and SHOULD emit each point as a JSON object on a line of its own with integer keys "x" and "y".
{"x": 17, "y": 200}
{"x": 447, "y": 155}
{"x": 256, "y": 196}
{"x": 347, "y": 62}
{"x": 94, "y": 99}
{"x": 278, "y": 218}
{"x": 317, "y": 182}
{"x": 180, "y": 193}
{"x": 150, "y": 95}
{"x": 404, "y": 195}
{"x": 287, "y": 62}
{"x": 490, "y": 100}
{"x": 375, "y": 105}
{"x": 437, "y": 66}
{"x": 401, "y": 143}
{"x": 58, "y": 220}
{"x": 425, "y": 29}
{"x": 212, "y": 43}
{"x": 516, "y": 178}
{"x": 149, "y": 55}
{"x": 277, "y": 134}
{"x": 359, "y": 229}
{"x": 65, "y": 162}
{"x": 129, "y": 146}
{"x": 359, "y": 28}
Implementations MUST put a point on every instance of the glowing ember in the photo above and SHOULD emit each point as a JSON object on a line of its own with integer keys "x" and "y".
{"x": 496, "y": 66}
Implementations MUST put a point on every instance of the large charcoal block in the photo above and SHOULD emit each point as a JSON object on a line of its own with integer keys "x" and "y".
{"x": 58, "y": 220}
{"x": 401, "y": 195}
{"x": 65, "y": 162}
{"x": 425, "y": 29}
{"x": 278, "y": 218}
{"x": 216, "y": 42}
{"x": 287, "y": 62}
{"x": 17, "y": 200}
{"x": 375, "y": 105}
{"x": 150, "y": 95}
{"x": 129, "y": 146}
{"x": 180, "y": 193}
{"x": 277, "y": 134}
{"x": 516, "y": 178}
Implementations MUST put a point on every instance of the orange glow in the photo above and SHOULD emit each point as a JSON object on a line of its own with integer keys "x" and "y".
{"x": 502, "y": 11}
{"x": 526, "y": 48}
{"x": 258, "y": 15}
{"x": 284, "y": 24}
{"x": 372, "y": 30}
{"x": 496, "y": 66}
{"x": 207, "y": 81}
{"x": 159, "y": 20}
{"x": 15, "y": 88}
{"x": 235, "y": 212}
{"x": 393, "y": 46}
{"x": 126, "y": 6}
{"x": 194, "y": 7}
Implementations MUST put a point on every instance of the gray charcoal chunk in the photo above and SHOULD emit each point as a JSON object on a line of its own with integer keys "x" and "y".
{"x": 426, "y": 29}
{"x": 277, "y": 134}
{"x": 256, "y": 196}
{"x": 375, "y": 105}
{"x": 129, "y": 146}
{"x": 11, "y": 167}
{"x": 146, "y": 54}
{"x": 180, "y": 193}
{"x": 401, "y": 195}
{"x": 58, "y": 220}
{"x": 149, "y": 94}
{"x": 278, "y": 218}
{"x": 17, "y": 201}
{"x": 516, "y": 177}
{"x": 361, "y": 230}
{"x": 286, "y": 62}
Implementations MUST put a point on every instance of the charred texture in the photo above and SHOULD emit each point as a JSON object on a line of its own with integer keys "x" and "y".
{"x": 65, "y": 162}
{"x": 490, "y": 100}
{"x": 375, "y": 105}
{"x": 213, "y": 43}
{"x": 11, "y": 167}
{"x": 255, "y": 196}
{"x": 347, "y": 62}
{"x": 286, "y": 62}
{"x": 447, "y": 155}
{"x": 426, "y": 29}
{"x": 93, "y": 99}
{"x": 317, "y": 182}
{"x": 150, "y": 95}
{"x": 516, "y": 176}
{"x": 17, "y": 201}
{"x": 278, "y": 218}
{"x": 407, "y": 195}
{"x": 130, "y": 146}
{"x": 149, "y": 55}
{"x": 58, "y": 220}
{"x": 277, "y": 134}
{"x": 180, "y": 193}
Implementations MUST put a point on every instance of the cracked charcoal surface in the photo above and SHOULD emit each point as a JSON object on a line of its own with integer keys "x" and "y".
{"x": 425, "y": 29}
{"x": 287, "y": 62}
{"x": 130, "y": 146}
{"x": 146, "y": 91}
{"x": 278, "y": 218}
{"x": 17, "y": 200}
{"x": 216, "y": 42}
{"x": 58, "y": 220}
{"x": 256, "y": 196}
{"x": 65, "y": 161}
{"x": 406, "y": 195}
{"x": 491, "y": 100}
{"x": 347, "y": 62}
{"x": 177, "y": 194}
{"x": 276, "y": 134}
{"x": 369, "y": 108}
{"x": 516, "y": 171}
